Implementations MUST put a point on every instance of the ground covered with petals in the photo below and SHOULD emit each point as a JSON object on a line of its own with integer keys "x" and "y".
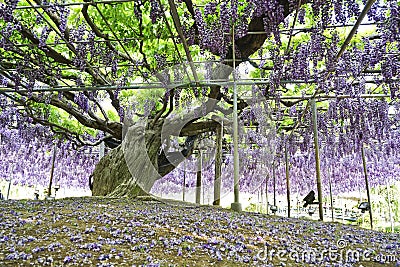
{"x": 151, "y": 232}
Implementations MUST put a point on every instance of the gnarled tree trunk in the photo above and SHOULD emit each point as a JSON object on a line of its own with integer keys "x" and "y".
{"x": 112, "y": 177}
{"x": 131, "y": 169}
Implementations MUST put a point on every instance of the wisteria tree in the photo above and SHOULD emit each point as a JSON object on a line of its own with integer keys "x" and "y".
{"x": 70, "y": 62}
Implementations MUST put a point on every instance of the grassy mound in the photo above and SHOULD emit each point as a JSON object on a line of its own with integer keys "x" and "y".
{"x": 151, "y": 232}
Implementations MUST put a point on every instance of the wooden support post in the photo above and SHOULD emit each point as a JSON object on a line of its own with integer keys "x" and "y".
{"x": 297, "y": 203}
{"x": 266, "y": 193}
{"x": 8, "y": 190}
{"x": 390, "y": 207}
{"x": 218, "y": 164}
{"x": 184, "y": 181}
{"x": 274, "y": 181}
{"x": 236, "y": 206}
{"x": 343, "y": 212}
{"x": 52, "y": 170}
{"x": 198, "y": 180}
{"x": 330, "y": 196}
{"x": 287, "y": 182}
{"x": 317, "y": 165}
{"x": 10, "y": 181}
{"x": 204, "y": 194}
{"x": 366, "y": 183}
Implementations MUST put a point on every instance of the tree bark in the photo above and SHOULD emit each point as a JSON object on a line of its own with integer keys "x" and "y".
{"x": 218, "y": 165}
{"x": 112, "y": 177}
{"x": 132, "y": 168}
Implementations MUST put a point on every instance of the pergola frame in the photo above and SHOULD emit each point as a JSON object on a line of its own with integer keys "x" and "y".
{"x": 316, "y": 95}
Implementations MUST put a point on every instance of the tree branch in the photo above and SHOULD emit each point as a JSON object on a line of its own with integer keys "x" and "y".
{"x": 50, "y": 52}
{"x": 114, "y": 128}
{"x": 171, "y": 104}
{"x": 250, "y": 43}
{"x": 164, "y": 107}
{"x": 197, "y": 128}
{"x": 98, "y": 33}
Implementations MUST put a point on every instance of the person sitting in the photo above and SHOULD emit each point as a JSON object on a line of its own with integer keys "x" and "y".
{"x": 309, "y": 199}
